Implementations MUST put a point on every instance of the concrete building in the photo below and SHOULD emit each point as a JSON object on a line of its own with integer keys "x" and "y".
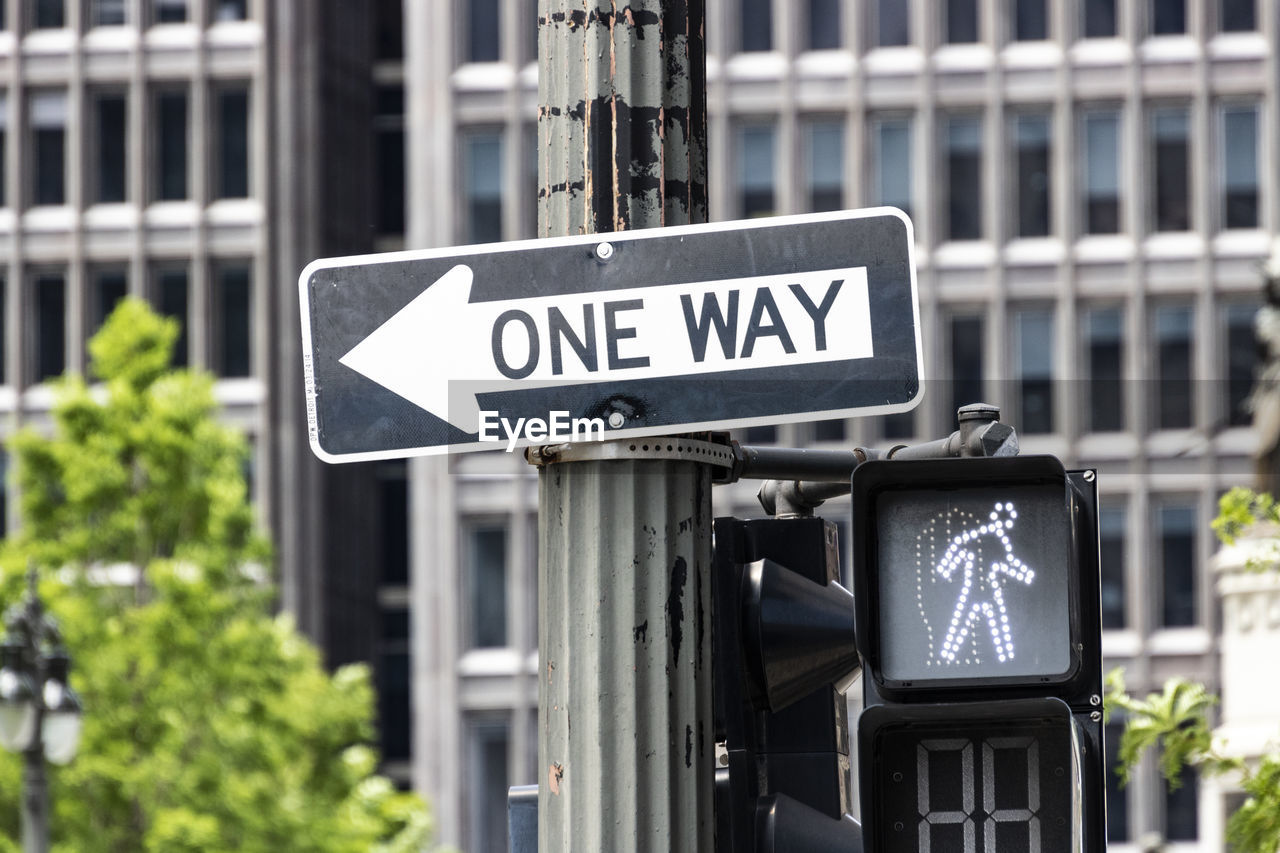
{"x": 1092, "y": 186}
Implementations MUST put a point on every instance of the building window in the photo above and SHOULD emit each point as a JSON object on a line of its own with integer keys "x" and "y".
{"x": 1240, "y": 167}
{"x": 1181, "y": 807}
{"x": 388, "y": 34}
{"x": 4, "y": 145}
{"x": 231, "y": 10}
{"x": 825, "y": 166}
{"x": 1031, "y": 137}
{"x": 898, "y": 427}
{"x": 1175, "y": 526}
{"x": 50, "y": 292}
{"x": 761, "y": 435}
{"x": 1104, "y": 344}
{"x": 49, "y": 142}
{"x": 832, "y": 430}
{"x": 1034, "y": 365}
{"x": 963, "y": 168}
{"x": 486, "y": 586}
{"x": 1171, "y": 187}
{"x": 171, "y": 294}
{"x": 1168, "y": 17}
{"x": 171, "y": 145}
{"x": 891, "y": 159}
{"x": 755, "y": 24}
{"x": 1030, "y": 20}
{"x": 1101, "y": 167}
{"x": 483, "y": 36}
{"x": 1243, "y": 356}
{"x": 482, "y": 191}
{"x": 1239, "y": 16}
{"x": 109, "y": 147}
{"x": 756, "y": 158}
{"x": 49, "y": 14}
{"x": 389, "y": 181}
{"x": 393, "y": 493}
{"x": 169, "y": 11}
{"x": 487, "y": 757}
{"x": 1117, "y": 797}
{"x": 233, "y": 143}
{"x": 1112, "y": 526}
{"x": 4, "y": 337}
{"x": 962, "y": 21}
{"x": 233, "y": 320}
{"x": 1099, "y": 19}
{"x": 1173, "y": 405}
{"x": 892, "y": 24}
{"x": 107, "y": 286}
{"x": 108, "y": 13}
{"x": 395, "y": 701}
{"x": 966, "y": 362}
{"x": 824, "y": 24}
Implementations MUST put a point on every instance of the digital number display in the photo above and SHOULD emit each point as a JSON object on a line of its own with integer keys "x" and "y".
{"x": 974, "y": 582}
{"x": 996, "y": 787}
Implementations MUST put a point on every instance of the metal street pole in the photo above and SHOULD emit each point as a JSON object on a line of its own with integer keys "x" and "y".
{"x": 625, "y": 741}
{"x": 35, "y": 795}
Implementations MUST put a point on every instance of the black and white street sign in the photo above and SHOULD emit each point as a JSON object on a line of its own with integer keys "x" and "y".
{"x": 611, "y": 335}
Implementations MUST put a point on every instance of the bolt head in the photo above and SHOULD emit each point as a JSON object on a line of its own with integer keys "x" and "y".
{"x": 604, "y": 251}
{"x": 616, "y": 420}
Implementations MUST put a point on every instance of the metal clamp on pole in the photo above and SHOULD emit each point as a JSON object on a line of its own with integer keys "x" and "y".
{"x": 807, "y": 478}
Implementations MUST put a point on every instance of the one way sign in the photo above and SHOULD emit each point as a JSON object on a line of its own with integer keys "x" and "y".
{"x": 611, "y": 335}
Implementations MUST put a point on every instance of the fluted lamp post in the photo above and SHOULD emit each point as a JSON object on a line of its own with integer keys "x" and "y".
{"x": 39, "y": 712}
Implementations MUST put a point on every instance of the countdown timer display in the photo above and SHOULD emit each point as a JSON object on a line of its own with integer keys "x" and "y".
{"x": 973, "y": 583}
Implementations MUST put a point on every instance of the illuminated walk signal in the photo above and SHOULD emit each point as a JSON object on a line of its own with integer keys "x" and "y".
{"x": 976, "y": 588}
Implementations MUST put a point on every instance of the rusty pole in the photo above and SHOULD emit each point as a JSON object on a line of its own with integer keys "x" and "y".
{"x": 625, "y": 739}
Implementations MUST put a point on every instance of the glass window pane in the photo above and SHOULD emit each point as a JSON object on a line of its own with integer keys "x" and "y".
{"x": 231, "y": 10}
{"x": 233, "y": 143}
{"x": 1104, "y": 341}
{"x": 50, "y": 326}
{"x": 1239, "y": 15}
{"x": 962, "y": 21}
{"x": 1112, "y": 523}
{"x": 483, "y": 31}
{"x": 395, "y": 703}
{"x": 966, "y": 363}
{"x": 1035, "y": 370}
{"x": 388, "y": 37}
{"x": 1031, "y": 135}
{"x": 1102, "y": 172}
{"x": 393, "y": 488}
{"x": 233, "y": 304}
{"x": 1181, "y": 807}
{"x": 50, "y": 14}
{"x": 108, "y": 13}
{"x": 761, "y": 435}
{"x": 110, "y": 143}
{"x": 486, "y": 584}
{"x": 898, "y": 427}
{"x": 170, "y": 11}
{"x": 389, "y": 180}
{"x": 487, "y": 763}
{"x": 964, "y": 177}
{"x": 482, "y": 189}
{"x": 824, "y": 24}
{"x": 832, "y": 430}
{"x": 1173, "y": 325}
{"x": 893, "y": 26}
{"x": 48, "y": 129}
{"x": 1176, "y": 532}
{"x": 1168, "y": 17}
{"x": 4, "y": 145}
{"x": 171, "y": 294}
{"x": 171, "y": 145}
{"x": 1099, "y": 19}
{"x": 756, "y": 24}
{"x": 1172, "y": 185}
{"x": 108, "y": 287}
{"x": 1240, "y": 167}
{"x": 1117, "y": 797}
{"x": 826, "y": 165}
{"x": 891, "y": 183}
{"x": 756, "y": 158}
{"x": 1030, "y": 21}
{"x": 1243, "y": 359}
{"x": 4, "y": 313}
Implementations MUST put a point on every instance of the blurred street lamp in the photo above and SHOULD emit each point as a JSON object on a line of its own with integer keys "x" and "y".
{"x": 39, "y": 712}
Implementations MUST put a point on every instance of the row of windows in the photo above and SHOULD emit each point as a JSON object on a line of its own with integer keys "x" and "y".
{"x": 1029, "y": 140}
{"x": 888, "y": 22}
{"x": 55, "y": 14}
{"x": 170, "y": 158}
{"x": 48, "y": 325}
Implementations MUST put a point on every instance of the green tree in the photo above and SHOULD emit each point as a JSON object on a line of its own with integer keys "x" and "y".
{"x": 1176, "y": 721}
{"x": 210, "y": 724}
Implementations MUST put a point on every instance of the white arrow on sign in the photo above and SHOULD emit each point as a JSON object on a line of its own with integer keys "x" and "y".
{"x": 442, "y": 341}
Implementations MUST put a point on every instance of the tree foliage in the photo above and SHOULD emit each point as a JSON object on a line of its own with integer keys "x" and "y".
{"x": 1176, "y": 721}
{"x": 210, "y": 724}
